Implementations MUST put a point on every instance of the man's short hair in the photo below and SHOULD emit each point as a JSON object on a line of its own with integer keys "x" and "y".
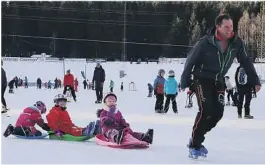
{"x": 219, "y": 19}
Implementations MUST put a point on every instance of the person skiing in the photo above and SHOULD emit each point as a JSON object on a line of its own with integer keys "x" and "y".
{"x": 229, "y": 89}
{"x": 3, "y": 88}
{"x": 244, "y": 91}
{"x": 98, "y": 81}
{"x": 60, "y": 122}
{"x": 114, "y": 126}
{"x": 159, "y": 91}
{"x": 25, "y": 125}
{"x": 208, "y": 61}
{"x": 171, "y": 92}
{"x": 68, "y": 83}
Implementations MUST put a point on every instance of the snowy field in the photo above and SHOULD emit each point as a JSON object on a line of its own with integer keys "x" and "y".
{"x": 232, "y": 141}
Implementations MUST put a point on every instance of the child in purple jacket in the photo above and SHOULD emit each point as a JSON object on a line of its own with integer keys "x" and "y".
{"x": 114, "y": 126}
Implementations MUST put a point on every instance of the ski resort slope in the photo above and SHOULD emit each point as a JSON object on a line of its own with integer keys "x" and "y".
{"x": 232, "y": 141}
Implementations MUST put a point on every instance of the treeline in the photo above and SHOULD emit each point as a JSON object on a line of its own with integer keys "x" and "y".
{"x": 96, "y": 29}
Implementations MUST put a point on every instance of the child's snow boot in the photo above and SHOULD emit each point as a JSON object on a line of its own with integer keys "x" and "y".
{"x": 148, "y": 136}
{"x": 9, "y": 130}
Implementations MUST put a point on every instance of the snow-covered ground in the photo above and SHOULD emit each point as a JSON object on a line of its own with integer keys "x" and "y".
{"x": 232, "y": 141}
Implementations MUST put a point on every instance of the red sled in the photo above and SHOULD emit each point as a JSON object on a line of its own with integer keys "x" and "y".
{"x": 128, "y": 142}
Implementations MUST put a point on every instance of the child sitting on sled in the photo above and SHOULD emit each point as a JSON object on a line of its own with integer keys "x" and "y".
{"x": 25, "y": 125}
{"x": 60, "y": 122}
{"x": 113, "y": 125}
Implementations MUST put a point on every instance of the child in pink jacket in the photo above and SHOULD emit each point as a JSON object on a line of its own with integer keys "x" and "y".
{"x": 114, "y": 126}
{"x": 25, "y": 125}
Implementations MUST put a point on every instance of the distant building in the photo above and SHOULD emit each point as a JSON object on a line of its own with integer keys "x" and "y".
{"x": 42, "y": 55}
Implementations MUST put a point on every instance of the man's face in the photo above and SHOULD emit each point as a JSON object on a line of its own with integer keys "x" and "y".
{"x": 226, "y": 28}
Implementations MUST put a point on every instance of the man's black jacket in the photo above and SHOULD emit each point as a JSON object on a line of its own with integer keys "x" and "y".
{"x": 99, "y": 75}
{"x": 205, "y": 60}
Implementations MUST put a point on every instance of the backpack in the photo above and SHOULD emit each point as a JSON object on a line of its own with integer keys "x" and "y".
{"x": 242, "y": 77}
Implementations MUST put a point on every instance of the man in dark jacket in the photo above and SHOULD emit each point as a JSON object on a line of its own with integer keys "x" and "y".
{"x": 244, "y": 90}
{"x": 209, "y": 61}
{"x": 98, "y": 81}
{"x": 3, "y": 87}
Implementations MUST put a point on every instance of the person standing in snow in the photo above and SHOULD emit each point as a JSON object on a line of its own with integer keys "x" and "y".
{"x": 244, "y": 91}
{"x": 26, "y": 82}
{"x": 111, "y": 85}
{"x": 68, "y": 83}
{"x": 3, "y": 89}
{"x": 209, "y": 61}
{"x": 229, "y": 89}
{"x": 98, "y": 82}
{"x": 171, "y": 92}
{"x": 76, "y": 85}
{"x": 159, "y": 91}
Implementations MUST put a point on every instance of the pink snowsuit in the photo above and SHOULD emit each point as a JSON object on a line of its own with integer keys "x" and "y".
{"x": 29, "y": 117}
{"x": 119, "y": 123}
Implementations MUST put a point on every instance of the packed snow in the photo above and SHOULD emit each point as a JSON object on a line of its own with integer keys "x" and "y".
{"x": 232, "y": 141}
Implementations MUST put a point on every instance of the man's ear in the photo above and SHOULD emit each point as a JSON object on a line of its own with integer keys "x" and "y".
{"x": 217, "y": 27}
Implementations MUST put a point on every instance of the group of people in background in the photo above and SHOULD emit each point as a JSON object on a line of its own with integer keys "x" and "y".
{"x": 169, "y": 88}
{"x": 165, "y": 87}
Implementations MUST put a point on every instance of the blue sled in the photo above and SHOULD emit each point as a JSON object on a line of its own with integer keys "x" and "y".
{"x": 32, "y": 137}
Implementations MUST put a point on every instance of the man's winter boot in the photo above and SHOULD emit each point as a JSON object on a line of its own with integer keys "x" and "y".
{"x": 248, "y": 117}
{"x": 228, "y": 103}
{"x": 195, "y": 153}
{"x": 203, "y": 149}
{"x": 118, "y": 138}
{"x": 239, "y": 116}
{"x": 9, "y": 130}
{"x": 148, "y": 136}
{"x": 4, "y": 109}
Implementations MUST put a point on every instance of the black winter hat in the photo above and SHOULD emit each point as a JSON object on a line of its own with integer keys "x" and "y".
{"x": 109, "y": 94}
